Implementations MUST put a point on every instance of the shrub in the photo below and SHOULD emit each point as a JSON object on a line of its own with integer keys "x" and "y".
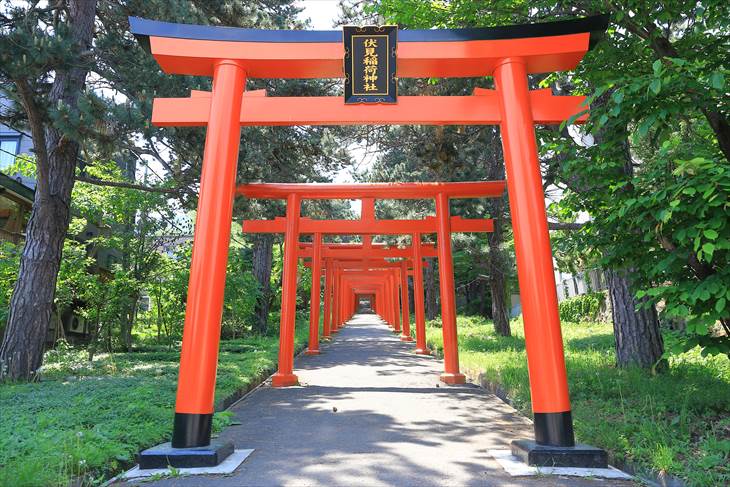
{"x": 585, "y": 307}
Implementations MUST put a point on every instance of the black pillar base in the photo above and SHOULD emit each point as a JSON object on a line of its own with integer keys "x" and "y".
{"x": 582, "y": 456}
{"x": 191, "y": 430}
{"x": 554, "y": 429}
{"x": 164, "y": 455}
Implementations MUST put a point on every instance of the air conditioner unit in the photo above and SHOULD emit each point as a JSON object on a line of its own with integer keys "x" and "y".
{"x": 77, "y": 325}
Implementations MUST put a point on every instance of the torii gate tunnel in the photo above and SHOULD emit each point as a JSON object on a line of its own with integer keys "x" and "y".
{"x": 367, "y": 226}
{"x": 231, "y": 55}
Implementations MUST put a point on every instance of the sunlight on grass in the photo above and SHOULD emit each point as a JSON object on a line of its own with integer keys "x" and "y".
{"x": 88, "y": 419}
{"x": 676, "y": 422}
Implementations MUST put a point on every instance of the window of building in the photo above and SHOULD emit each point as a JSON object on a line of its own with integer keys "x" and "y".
{"x": 8, "y": 151}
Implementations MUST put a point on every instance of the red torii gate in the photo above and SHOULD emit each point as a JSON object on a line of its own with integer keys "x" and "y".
{"x": 354, "y": 251}
{"x": 402, "y": 269}
{"x": 374, "y": 256}
{"x": 443, "y": 224}
{"x": 230, "y": 56}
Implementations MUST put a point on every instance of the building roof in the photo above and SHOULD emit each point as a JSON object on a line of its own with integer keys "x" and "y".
{"x": 16, "y": 188}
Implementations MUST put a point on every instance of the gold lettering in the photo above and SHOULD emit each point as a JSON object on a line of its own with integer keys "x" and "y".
{"x": 370, "y": 62}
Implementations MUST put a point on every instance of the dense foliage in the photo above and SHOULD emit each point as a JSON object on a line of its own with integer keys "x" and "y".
{"x": 585, "y": 307}
{"x": 86, "y": 420}
{"x": 651, "y": 168}
{"x": 9, "y": 258}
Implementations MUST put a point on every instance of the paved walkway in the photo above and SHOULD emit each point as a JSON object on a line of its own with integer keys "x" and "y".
{"x": 372, "y": 413}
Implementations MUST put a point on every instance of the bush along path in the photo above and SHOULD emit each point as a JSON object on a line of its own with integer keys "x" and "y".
{"x": 85, "y": 421}
{"x": 675, "y": 423}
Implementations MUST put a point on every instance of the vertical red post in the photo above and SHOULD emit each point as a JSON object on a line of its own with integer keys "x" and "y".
{"x": 393, "y": 277}
{"x": 201, "y": 332}
{"x": 389, "y": 292}
{"x": 384, "y": 303}
{"x": 327, "y": 298}
{"x": 543, "y": 340}
{"x": 285, "y": 375}
{"x": 406, "y": 335}
{"x": 451, "y": 373}
{"x": 313, "y": 348}
{"x": 341, "y": 301}
{"x": 335, "y": 324}
{"x": 418, "y": 304}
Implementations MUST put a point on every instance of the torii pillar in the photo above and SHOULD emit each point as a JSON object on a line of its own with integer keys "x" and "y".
{"x": 313, "y": 348}
{"x": 285, "y": 375}
{"x": 326, "y": 322}
{"x": 543, "y": 339}
{"x": 451, "y": 373}
{"x": 418, "y": 304}
{"x": 406, "y": 335}
{"x": 394, "y": 306}
{"x": 204, "y": 308}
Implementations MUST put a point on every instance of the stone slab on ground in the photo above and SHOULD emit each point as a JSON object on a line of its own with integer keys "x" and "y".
{"x": 517, "y": 468}
{"x": 370, "y": 412}
{"x": 225, "y": 467}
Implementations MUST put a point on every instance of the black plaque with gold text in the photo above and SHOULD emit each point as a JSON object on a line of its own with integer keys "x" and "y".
{"x": 370, "y": 64}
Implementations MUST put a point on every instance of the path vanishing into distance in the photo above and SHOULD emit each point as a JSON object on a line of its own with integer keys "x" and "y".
{"x": 370, "y": 412}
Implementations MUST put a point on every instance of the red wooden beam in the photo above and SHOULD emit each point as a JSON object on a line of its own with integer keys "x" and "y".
{"x": 386, "y": 191}
{"x": 359, "y": 227}
{"x": 258, "y": 110}
{"x": 473, "y": 58}
{"x": 374, "y": 253}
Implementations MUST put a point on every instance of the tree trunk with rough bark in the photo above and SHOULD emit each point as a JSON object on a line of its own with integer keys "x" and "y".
{"x": 497, "y": 262}
{"x": 129, "y": 169}
{"x": 21, "y": 352}
{"x": 262, "y": 261}
{"x": 498, "y": 290}
{"x": 638, "y": 337}
{"x": 431, "y": 290}
{"x": 498, "y": 272}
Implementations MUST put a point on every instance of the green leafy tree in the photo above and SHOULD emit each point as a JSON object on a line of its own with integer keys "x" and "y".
{"x": 44, "y": 58}
{"x": 658, "y": 127}
{"x": 83, "y": 86}
{"x": 9, "y": 262}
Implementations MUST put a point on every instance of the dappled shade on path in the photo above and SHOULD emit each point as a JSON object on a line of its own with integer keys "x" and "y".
{"x": 370, "y": 412}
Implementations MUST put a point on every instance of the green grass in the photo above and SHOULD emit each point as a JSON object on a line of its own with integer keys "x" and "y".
{"x": 87, "y": 420}
{"x": 676, "y": 422}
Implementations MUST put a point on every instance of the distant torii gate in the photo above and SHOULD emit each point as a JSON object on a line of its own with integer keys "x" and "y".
{"x": 443, "y": 224}
{"x": 230, "y": 56}
{"x": 404, "y": 268}
{"x": 375, "y": 256}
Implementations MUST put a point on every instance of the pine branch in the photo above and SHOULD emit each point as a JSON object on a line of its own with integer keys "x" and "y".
{"x": 565, "y": 226}
{"x": 35, "y": 122}
{"x": 120, "y": 184}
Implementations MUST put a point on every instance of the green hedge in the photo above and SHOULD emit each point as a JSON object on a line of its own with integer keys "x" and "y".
{"x": 585, "y": 307}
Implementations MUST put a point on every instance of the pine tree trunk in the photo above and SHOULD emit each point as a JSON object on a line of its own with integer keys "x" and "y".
{"x": 500, "y": 312}
{"x": 498, "y": 265}
{"x": 638, "y": 337}
{"x": 484, "y": 308}
{"x": 21, "y": 352}
{"x": 498, "y": 272}
{"x": 262, "y": 261}
{"x": 431, "y": 290}
{"x": 129, "y": 170}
